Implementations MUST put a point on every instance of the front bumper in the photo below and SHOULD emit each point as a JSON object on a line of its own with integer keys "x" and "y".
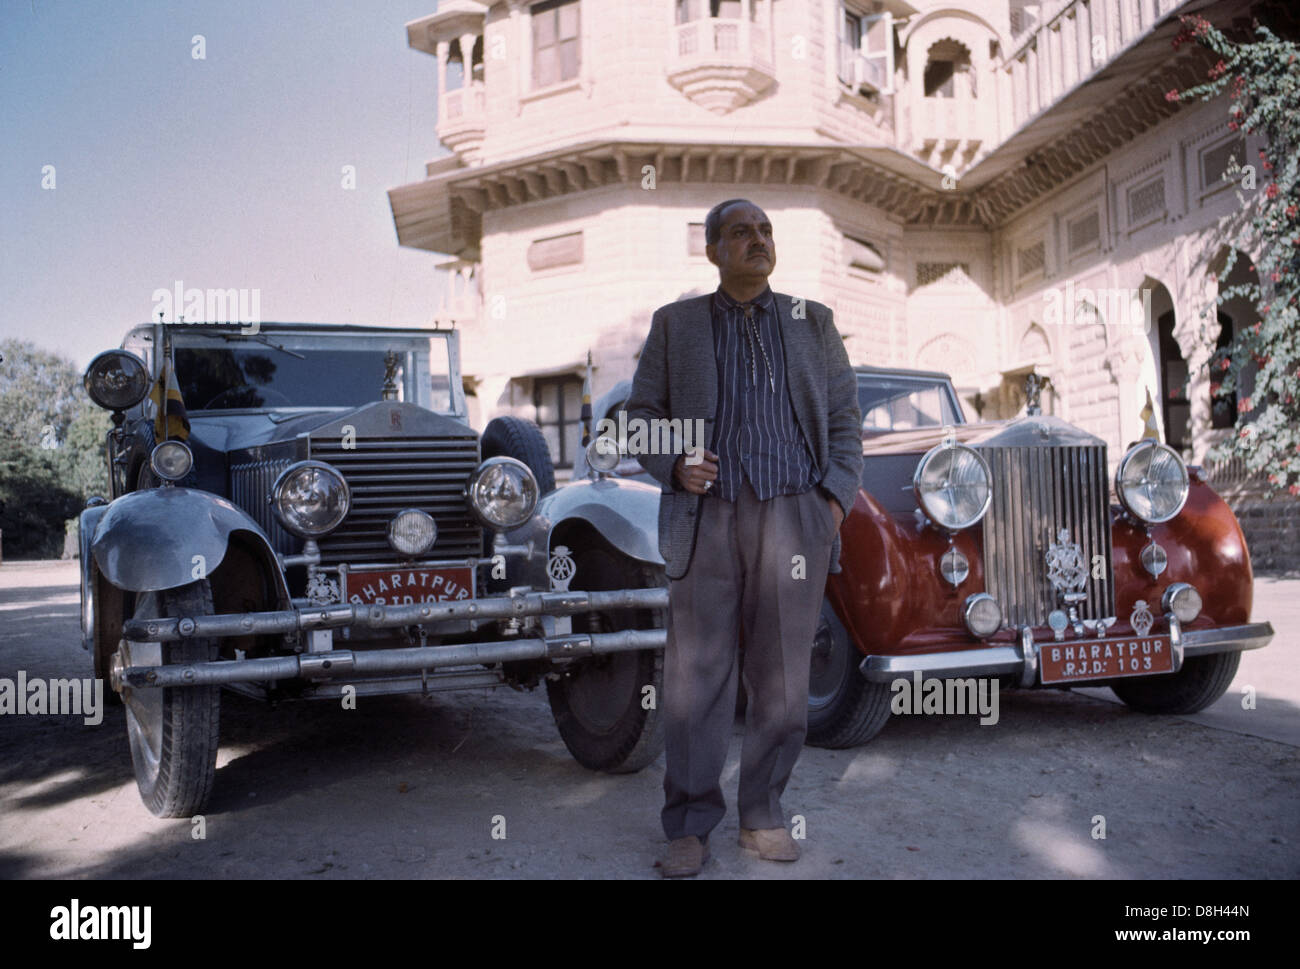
{"x": 330, "y": 663}
{"x": 1020, "y": 662}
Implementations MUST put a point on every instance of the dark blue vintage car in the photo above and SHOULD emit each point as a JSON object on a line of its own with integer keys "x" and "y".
{"x": 303, "y": 512}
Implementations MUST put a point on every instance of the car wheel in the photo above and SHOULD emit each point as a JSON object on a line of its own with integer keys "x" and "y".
{"x": 1201, "y": 681}
{"x": 600, "y": 703}
{"x": 844, "y": 708}
{"x": 107, "y": 606}
{"x": 514, "y": 437}
{"x": 172, "y": 730}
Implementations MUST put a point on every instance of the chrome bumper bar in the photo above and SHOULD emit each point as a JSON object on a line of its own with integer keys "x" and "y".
{"x": 1021, "y": 661}
{"x": 387, "y": 617}
{"x": 334, "y": 664}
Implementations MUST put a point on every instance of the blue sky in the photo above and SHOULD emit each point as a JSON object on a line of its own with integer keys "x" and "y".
{"x": 223, "y": 173}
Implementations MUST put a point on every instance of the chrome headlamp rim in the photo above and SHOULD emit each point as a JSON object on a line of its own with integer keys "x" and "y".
{"x": 128, "y": 360}
{"x": 1136, "y": 449}
{"x": 289, "y": 524}
{"x": 1181, "y": 590}
{"x": 161, "y": 450}
{"x": 920, "y": 497}
{"x": 603, "y": 454}
{"x": 433, "y": 528}
{"x": 969, "y": 607}
{"x": 532, "y": 492}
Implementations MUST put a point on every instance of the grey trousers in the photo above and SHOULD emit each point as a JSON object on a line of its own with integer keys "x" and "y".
{"x": 758, "y": 571}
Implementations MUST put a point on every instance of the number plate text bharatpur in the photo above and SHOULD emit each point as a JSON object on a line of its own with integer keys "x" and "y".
{"x": 1104, "y": 658}
{"x": 401, "y": 587}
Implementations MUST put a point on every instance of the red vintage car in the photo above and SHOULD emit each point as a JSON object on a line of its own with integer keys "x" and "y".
{"x": 1006, "y": 550}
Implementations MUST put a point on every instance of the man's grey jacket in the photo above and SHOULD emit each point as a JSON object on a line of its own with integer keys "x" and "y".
{"x": 677, "y": 379}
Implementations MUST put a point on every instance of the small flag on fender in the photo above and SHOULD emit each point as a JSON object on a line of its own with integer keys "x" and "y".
{"x": 178, "y": 422}
{"x": 1150, "y": 429}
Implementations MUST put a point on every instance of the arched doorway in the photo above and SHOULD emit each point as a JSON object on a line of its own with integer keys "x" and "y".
{"x": 1168, "y": 378}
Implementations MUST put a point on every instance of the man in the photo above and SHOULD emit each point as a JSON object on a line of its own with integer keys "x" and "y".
{"x": 748, "y": 527}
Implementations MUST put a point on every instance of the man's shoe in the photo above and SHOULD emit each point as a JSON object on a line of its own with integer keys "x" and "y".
{"x": 772, "y": 844}
{"x": 686, "y": 856}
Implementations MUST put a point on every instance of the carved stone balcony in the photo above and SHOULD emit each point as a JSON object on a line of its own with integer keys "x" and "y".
{"x": 462, "y": 121}
{"x": 951, "y": 130}
{"x": 721, "y": 63}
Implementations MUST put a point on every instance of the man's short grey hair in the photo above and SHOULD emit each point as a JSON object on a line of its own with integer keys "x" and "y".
{"x": 713, "y": 221}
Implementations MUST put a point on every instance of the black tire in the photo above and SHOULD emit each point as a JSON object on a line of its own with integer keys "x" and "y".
{"x": 173, "y": 732}
{"x": 514, "y": 437}
{"x": 1201, "y": 681}
{"x": 597, "y": 703}
{"x": 845, "y": 709}
{"x": 106, "y": 631}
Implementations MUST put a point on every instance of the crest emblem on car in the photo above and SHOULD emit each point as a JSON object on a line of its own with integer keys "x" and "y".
{"x": 1141, "y": 620}
{"x": 561, "y": 568}
{"x": 1066, "y": 568}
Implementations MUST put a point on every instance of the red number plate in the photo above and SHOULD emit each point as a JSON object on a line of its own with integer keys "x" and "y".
{"x": 1103, "y": 659}
{"x": 403, "y": 587}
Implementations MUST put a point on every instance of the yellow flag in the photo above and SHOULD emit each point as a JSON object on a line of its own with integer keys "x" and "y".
{"x": 1150, "y": 429}
{"x": 178, "y": 422}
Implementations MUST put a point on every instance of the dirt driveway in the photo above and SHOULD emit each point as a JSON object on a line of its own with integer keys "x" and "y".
{"x": 409, "y": 787}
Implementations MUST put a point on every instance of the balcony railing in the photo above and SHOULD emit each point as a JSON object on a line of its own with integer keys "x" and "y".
{"x": 1050, "y": 60}
{"x": 711, "y": 39}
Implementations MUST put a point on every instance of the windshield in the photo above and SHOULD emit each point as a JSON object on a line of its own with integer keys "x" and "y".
{"x": 902, "y": 404}
{"x": 222, "y": 371}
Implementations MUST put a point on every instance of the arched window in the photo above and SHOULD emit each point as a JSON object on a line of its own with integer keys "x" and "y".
{"x": 1176, "y": 406}
{"x": 948, "y": 71}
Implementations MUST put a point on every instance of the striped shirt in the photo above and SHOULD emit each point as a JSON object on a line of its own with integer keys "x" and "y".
{"x": 755, "y": 433}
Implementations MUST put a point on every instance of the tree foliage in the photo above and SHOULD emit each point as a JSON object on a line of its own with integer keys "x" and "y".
{"x": 51, "y": 448}
{"x": 1262, "y": 80}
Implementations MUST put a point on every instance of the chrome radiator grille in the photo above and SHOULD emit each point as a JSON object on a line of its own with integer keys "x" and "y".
{"x": 250, "y": 486}
{"x": 387, "y": 475}
{"x": 1037, "y": 491}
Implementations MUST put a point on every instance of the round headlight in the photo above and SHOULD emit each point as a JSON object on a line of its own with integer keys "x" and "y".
{"x": 1151, "y": 482}
{"x": 1182, "y": 600}
{"x": 171, "y": 460}
{"x": 412, "y": 532}
{"x": 502, "y": 493}
{"x": 603, "y": 454}
{"x": 982, "y": 614}
{"x": 117, "y": 380}
{"x": 953, "y": 486}
{"x": 310, "y": 499}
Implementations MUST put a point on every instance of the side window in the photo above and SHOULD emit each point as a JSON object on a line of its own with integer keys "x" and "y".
{"x": 557, "y": 54}
{"x": 558, "y": 403}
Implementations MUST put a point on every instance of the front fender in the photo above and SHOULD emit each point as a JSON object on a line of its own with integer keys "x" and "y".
{"x": 147, "y": 541}
{"x": 625, "y": 513}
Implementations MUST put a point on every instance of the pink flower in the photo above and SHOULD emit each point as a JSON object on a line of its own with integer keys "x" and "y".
{"x": 1294, "y": 489}
{"x": 1291, "y": 211}
{"x": 1232, "y": 126}
{"x": 1172, "y": 95}
{"x": 1272, "y": 190}
{"x": 1217, "y": 70}
{"x": 1243, "y": 405}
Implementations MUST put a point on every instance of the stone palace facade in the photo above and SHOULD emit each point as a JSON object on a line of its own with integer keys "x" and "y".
{"x": 985, "y": 189}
